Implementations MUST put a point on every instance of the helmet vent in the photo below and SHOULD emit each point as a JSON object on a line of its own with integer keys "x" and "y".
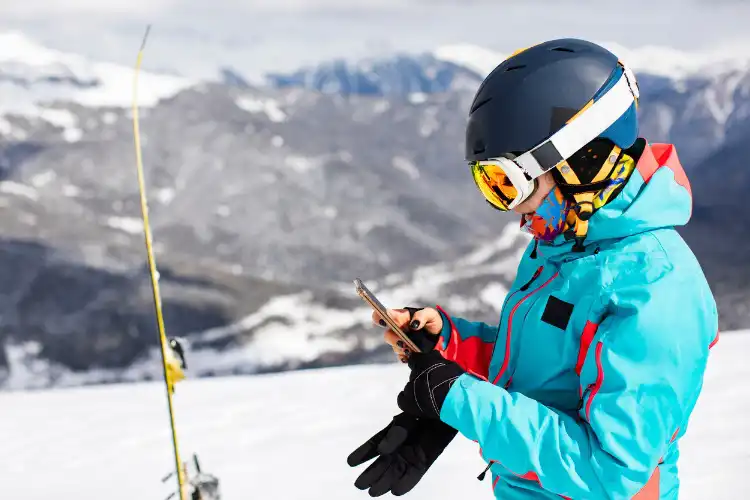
{"x": 562, "y": 49}
{"x": 513, "y": 68}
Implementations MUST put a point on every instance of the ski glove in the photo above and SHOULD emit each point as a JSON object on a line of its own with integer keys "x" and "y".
{"x": 429, "y": 382}
{"x": 404, "y": 451}
{"x": 423, "y": 340}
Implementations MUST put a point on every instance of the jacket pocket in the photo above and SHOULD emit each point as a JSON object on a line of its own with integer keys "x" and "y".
{"x": 588, "y": 395}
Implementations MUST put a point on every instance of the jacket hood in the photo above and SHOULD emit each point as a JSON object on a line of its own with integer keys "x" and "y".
{"x": 657, "y": 195}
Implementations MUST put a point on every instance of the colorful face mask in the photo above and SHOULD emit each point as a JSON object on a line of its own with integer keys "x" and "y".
{"x": 549, "y": 220}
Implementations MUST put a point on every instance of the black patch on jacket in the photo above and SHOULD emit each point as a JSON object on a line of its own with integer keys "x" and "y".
{"x": 557, "y": 312}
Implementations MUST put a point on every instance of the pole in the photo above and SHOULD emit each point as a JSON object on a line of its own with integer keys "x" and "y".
{"x": 153, "y": 272}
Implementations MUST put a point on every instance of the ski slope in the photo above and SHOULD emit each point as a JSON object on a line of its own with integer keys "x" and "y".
{"x": 287, "y": 436}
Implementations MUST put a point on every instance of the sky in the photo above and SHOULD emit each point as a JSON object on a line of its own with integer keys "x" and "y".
{"x": 195, "y": 36}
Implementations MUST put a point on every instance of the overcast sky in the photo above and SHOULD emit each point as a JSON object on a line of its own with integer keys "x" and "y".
{"x": 195, "y": 36}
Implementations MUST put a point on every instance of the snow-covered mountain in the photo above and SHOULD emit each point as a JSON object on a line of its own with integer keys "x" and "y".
{"x": 264, "y": 200}
{"x": 401, "y": 75}
{"x": 287, "y": 436}
{"x": 284, "y": 328}
{"x": 33, "y": 78}
{"x": 696, "y": 99}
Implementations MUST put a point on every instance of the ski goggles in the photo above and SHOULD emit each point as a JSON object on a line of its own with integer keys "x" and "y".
{"x": 502, "y": 183}
{"x": 508, "y": 181}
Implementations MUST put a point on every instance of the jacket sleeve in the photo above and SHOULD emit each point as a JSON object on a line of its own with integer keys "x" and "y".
{"x": 468, "y": 343}
{"x": 639, "y": 383}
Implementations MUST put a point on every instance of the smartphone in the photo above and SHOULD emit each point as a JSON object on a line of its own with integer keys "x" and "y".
{"x": 373, "y": 301}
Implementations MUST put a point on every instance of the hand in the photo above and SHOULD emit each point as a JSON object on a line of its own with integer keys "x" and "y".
{"x": 405, "y": 450}
{"x": 422, "y": 325}
{"x": 429, "y": 382}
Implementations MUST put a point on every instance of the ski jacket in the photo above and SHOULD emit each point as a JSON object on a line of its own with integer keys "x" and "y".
{"x": 586, "y": 386}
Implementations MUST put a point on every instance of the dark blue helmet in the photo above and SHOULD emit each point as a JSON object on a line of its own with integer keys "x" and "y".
{"x": 565, "y": 106}
{"x": 537, "y": 91}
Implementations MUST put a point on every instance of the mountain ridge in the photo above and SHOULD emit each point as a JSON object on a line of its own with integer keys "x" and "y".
{"x": 263, "y": 197}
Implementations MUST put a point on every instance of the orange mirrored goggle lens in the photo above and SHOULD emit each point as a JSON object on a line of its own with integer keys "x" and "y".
{"x": 494, "y": 184}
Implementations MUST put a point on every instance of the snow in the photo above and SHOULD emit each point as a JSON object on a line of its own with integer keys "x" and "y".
{"x": 129, "y": 225}
{"x": 165, "y": 195}
{"x": 288, "y": 328}
{"x": 43, "y": 178}
{"x": 36, "y": 75}
{"x": 381, "y": 106}
{"x": 429, "y": 123}
{"x": 494, "y": 295}
{"x": 5, "y": 127}
{"x": 64, "y": 119}
{"x": 109, "y": 117}
{"x": 287, "y": 436}
{"x": 262, "y": 105}
{"x": 487, "y": 253}
{"x": 406, "y": 166}
{"x": 71, "y": 191}
{"x": 15, "y": 188}
{"x": 301, "y": 164}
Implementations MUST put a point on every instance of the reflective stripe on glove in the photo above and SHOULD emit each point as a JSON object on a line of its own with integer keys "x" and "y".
{"x": 429, "y": 382}
{"x": 405, "y": 450}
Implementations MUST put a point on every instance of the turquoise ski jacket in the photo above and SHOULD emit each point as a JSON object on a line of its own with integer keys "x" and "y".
{"x": 586, "y": 386}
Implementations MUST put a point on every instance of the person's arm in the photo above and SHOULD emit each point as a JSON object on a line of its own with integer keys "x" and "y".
{"x": 640, "y": 381}
{"x": 468, "y": 343}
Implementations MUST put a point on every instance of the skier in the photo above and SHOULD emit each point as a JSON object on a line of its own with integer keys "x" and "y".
{"x": 585, "y": 387}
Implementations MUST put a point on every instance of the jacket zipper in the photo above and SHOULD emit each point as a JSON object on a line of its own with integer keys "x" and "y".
{"x": 533, "y": 278}
{"x": 509, "y": 331}
{"x": 484, "y": 472}
{"x": 594, "y": 389}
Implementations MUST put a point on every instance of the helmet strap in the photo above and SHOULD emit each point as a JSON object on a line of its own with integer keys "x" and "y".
{"x": 584, "y": 194}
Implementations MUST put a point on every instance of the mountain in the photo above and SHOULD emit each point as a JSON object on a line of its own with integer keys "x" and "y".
{"x": 718, "y": 232}
{"x": 265, "y": 203}
{"x": 82, "y": 325}
{"x": 31, "y": 74}
{"x": 693, "y": 99}
{"x": 251, "y": 432}
{"x": 400, "y": 75}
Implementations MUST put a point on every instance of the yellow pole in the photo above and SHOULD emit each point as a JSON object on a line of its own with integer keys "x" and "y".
{"x": 152, "y": 271}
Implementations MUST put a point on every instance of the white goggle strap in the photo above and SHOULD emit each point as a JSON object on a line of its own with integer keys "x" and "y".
{"x": 522, "y": 184}
{"x": 583, "y": 129}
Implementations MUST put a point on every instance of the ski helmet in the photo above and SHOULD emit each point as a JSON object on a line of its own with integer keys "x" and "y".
{"x": 552, "y": 107}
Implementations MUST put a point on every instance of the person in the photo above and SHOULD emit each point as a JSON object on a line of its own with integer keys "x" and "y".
{"x": 586, "y": 385}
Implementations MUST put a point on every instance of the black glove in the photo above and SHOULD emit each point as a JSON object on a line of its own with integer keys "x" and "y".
{"x": 429, "y": 382}
{"x": 405, "y": 449}
{"x": 425, "y": 341}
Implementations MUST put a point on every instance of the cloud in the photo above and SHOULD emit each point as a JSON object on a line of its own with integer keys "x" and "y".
{"x": 30, "y": 9}
{"x": 254, "y": 36}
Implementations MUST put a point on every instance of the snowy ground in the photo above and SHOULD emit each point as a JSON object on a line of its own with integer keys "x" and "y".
{"x": 287, "y": 436}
